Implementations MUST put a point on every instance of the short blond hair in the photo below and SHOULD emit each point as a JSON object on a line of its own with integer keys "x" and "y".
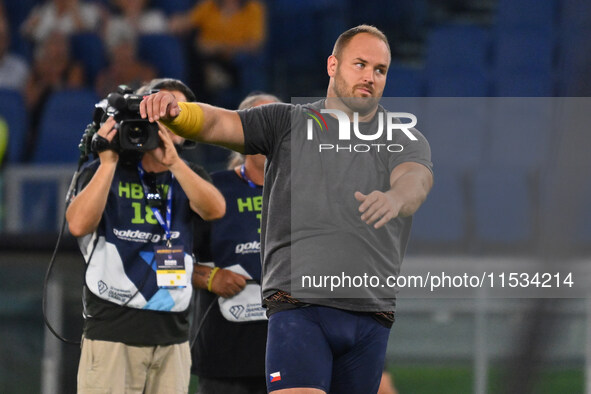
{"x": 346, "y": 36}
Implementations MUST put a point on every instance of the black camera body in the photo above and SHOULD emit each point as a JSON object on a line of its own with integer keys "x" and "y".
{"x": 134, "y": 133}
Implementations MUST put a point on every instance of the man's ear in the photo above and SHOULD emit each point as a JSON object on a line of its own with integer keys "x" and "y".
{"x": 331, "y": 65}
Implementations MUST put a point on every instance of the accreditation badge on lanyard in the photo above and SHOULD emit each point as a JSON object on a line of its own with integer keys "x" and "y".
{"x": 170, "y": 267}
{"x": 170, "y": 260}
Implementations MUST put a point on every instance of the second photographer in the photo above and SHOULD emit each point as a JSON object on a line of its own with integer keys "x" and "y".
{"x": 134, "y": 221}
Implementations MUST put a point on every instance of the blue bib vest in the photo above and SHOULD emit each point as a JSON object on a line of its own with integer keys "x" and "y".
{"x": 121, "y": 267}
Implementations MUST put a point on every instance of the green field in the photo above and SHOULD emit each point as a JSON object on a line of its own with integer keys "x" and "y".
{"x": 458, "y": 379}
{"x": 433, "y": 379}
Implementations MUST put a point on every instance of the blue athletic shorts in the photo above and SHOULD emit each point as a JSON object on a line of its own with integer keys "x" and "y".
{"x": 325, "y": 348}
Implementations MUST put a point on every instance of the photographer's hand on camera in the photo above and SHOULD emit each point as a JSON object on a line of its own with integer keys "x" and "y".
{"x": 108, "y": 132}
{"x": 166, "y": 153}
{"x": 86, "y": 208}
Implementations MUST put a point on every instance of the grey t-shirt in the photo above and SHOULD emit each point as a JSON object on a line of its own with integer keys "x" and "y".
{"x": 311, "y": 225}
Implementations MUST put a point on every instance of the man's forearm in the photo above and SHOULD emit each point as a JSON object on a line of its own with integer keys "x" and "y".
{"x": 204, "y": 198}
{"x": 410, "y": 190}
{"x": 86, "y": 209}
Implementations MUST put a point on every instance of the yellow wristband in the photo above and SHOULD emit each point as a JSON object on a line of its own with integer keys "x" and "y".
{"x": 189, "y": 122}
{"x": 210, "y": 278}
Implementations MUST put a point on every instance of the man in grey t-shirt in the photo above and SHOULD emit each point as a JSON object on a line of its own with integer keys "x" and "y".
{"x": 318, "y": 342}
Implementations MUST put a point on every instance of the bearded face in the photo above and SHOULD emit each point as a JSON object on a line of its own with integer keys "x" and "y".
{"x": 358, "y": 75}
{"x": 360, "y": 97}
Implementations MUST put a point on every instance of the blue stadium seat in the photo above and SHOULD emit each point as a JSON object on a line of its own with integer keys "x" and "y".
{"x": 503, "y": 206}
{"x": 89, "y": 49}
{"x": 473, "y": 83}
{"x": 524, "y": 84}
{"x": 457, "y": 130}
{"x": 12, "y": 109}
{"x": 165, "y": 53}
{"x": 523, "y": 50}
{"x": 16, "y": 13}
{"x": 407, "y": 17}
{"x": 441, "y": 219}
{"x": 171, "y": 7}
{"x": 574, "y": 14}
{"x": 63, "y": 121}
{"x": 404, "y": 81}
{"x": 520, "y": 132}
{"x": 301, "y": 35}
{"x": 527, "y": 13}
{"x": 456, "y": 53}
{"x": 458, "y": 48}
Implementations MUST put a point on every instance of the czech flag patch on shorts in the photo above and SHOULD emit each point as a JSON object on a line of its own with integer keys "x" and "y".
{"x": 275, "y": 377}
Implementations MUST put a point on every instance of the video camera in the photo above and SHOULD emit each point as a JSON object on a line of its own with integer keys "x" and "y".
{"x": 134, "y": 133}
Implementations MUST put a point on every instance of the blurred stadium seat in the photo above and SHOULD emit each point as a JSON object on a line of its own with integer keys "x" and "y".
{"x": 16, "y": 13}
{"x": 404, "y": 81}
{"x": 527, "y": 14}
{"x": 503, "y": 206}
{"x": 89, "y": 49}
{"x": 473, "y": 83}
{"x": 518, "y": 50}
{"x": 441, "y": 219}
{"x": 520, "y": 134}
{"x": 64, "y": 119}
{"x": 457, "y": 131}
{"x": 171, "y": 7}
{"x": 398, "y": 18}
{"x": 524, "y": 84}
{"x": 457, "y": 61}
{"x": 301, "y": 36}
{"x": 456, "y": 48}
{"x": 12, "y": 109}
{"x": 165, "y": 53}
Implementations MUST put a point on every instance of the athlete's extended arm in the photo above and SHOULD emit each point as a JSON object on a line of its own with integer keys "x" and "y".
{"x": 410, "y": 183}
{"x": 195, "y": 121}
{"x": 86, "y": 209}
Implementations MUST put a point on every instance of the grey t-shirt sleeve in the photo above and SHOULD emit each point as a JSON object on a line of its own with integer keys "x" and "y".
{"x": 264, "y": 126}
{"x": 417, "y": 151}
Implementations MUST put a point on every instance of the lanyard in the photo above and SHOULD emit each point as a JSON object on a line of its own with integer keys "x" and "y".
{"x": 152, "y": 197}
{"x": 246, "y": 178}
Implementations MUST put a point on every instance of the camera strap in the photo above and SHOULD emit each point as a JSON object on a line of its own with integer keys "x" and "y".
{"x": 152, "y": 197}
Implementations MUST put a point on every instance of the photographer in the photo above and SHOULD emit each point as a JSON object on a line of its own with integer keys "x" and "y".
{"x": 134, "y": 221}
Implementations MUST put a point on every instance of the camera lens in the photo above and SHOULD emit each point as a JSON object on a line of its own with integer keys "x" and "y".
{"x": 137, "y": 135}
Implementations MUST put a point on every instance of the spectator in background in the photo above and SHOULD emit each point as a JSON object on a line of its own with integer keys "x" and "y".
{"x": 230, "y": 35}
{"x": 13, "y": 69}
{"x": 124, "y": 66}
{"x": 66, "y": 16}
{"x": 133, "y": 17}
{"x": 53, "y": 69}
